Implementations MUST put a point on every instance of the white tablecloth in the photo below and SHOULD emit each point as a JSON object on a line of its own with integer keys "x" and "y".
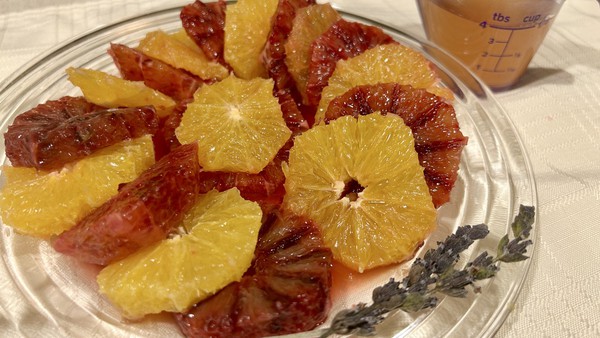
{"x": 556, "y": 110}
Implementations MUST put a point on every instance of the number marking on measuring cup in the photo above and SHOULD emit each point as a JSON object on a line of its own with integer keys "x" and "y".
{"x": 500, "y": 38}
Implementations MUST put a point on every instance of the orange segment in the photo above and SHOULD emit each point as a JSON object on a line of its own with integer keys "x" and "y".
{"x": 237, "y": 123}
{"x": 182, "y": 37}
{"x": 179, "y": 51}
{"x": 247, "y": 26}
{"x": 42, "y": 203}
{"x": 361, "y": 182}
{"x": 215, "y": 249}
{"x": 110, "y": 91}
{"x": 438, "y": 139}
{"x": 310, "y": 22}
{"x": 382, "y": 64}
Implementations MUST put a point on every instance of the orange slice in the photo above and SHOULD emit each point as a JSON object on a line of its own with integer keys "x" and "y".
{"x": 238, "y": 125}
{"x": 42, "y": 203}
{"x": 215, "y": 248}
{"x": 361, "y": 182}
{"x": 382, "y": 64}
{"x": 110, "y": 91}
{"x": 247, "y": 26}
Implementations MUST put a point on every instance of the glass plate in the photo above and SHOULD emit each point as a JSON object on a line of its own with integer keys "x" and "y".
{"x": 54, "y": 292}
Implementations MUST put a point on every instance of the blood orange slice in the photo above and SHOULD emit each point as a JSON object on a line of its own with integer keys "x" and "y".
{"x": 341, "y": 41}
{"x": 43, "y": 142}
{"x": 179, "y": 51}
{"x": 216, "y": 249}
{"x": 360, "y": 180}
{"x": 273, "y": 55}
{"x": 21, "y": 138}
{"x": 142, "y": 213}
{"x": 205, "y": 24}
{"x": 136, "y": 66}
{"x": 285, "y": 291}
{"x": 381, "y": 64}
{"x": 265, "y": 188}
{"x": 438, "y": 139}
{"x": 46, "y": 203}
{"x": 292, "y": 115}
{"x": 166, "y": 137}
{"x": 310, "y": 22}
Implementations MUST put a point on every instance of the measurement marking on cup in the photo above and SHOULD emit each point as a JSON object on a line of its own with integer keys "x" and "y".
{"x": 513, "y": 28}
{"x": 503, "y": 41}
{"x": 502, "y": 55}
{"x": 477, "y": 33}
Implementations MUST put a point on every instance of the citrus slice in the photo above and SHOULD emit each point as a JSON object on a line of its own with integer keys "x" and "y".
{"x": 182, "y": 37}
{"x": 273, "y": 55}
{"x": 144, "y": 212}
{"x": 247, "y": 25}
{"x": 341, "y": 41}
{"x": 361, "y": 182}
{"x": 381, "y": 64}
{"x": 217, "y": 248}
{"x": 438, "y": 139}
{"x": 291, "y": 112}
{"x": 110, "y": 91}
{"x": 205, "y": 24}
{"x": 309, "y": 23}
{"x": 40, "y": 139}
{"x": 238, "y": 125}
{"x": 287, "y": 290}
{"x": 43, "y": 203}
{"x": 265, "y": 188}
{"x": 137, "y": 66}
{"x": 179, "y": 51}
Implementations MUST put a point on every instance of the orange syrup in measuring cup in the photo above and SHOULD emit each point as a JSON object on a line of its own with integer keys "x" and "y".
{"x": 495, "y": 38}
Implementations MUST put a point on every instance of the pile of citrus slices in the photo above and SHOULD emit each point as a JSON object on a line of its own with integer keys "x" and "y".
{"x": 231, "y": 163}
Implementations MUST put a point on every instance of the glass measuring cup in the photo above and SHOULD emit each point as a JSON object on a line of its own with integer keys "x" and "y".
{"x": 495, "y": 38}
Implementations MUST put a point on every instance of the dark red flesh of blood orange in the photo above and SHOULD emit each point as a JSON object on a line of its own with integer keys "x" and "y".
{"x": 144, "y": 211}
{"x": 294, "y": 120}
{"x": 438, "y": 139}
{"x": 62, "y": 131}
{"x": 165, "y": 139}
{"x": 292, "y": 115}
{"x": 265, "y": 188}
{"x": 273, "y": 55}
{"x": 205, "y": 24}
{"x": 341, "y": 41}
{"x": 136, "y": 66}
{"x": 285, "y": 291}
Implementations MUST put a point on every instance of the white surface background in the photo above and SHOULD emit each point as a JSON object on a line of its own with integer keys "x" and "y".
{"x": 555, "y": 107}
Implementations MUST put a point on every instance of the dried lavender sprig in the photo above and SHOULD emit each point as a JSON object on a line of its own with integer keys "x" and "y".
{"x": 435, "y": 273}
{"x": 515, "y": 249}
